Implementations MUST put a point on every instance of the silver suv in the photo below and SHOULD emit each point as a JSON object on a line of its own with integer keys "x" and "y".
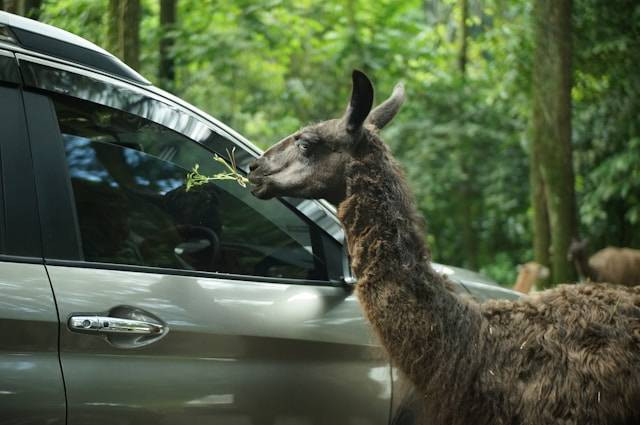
{"x": 126, "y": 299}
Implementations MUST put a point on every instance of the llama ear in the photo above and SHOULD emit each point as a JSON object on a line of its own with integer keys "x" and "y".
{"x": 388, "y": 109}
{"x": 360, "y": 103}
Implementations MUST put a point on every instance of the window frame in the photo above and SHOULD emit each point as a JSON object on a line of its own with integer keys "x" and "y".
{"x": 61, "y": 236}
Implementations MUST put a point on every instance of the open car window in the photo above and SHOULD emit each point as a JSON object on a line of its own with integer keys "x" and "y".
{"x": 128, "y": 177}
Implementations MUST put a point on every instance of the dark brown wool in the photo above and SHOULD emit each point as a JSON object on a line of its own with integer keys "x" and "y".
{"x": 570, "y": 355}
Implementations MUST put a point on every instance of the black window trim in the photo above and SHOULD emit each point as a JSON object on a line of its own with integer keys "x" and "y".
{"x": 20, "y": 259}
{"x": 65, "y": 203}
{"x": 29, "y": 54}
{"x": 20, "y": 237}
{"x": 9, "y": 71}
{"x": 190, "y": 273}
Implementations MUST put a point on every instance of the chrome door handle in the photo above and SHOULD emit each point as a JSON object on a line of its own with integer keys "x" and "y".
{"x": 113, "y": 325}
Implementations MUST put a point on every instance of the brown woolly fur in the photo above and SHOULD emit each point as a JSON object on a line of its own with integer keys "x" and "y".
{"x": 570, "y": 355}
{"x": 611, "y": 264}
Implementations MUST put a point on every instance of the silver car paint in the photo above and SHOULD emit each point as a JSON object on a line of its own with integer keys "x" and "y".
{"x": 482, "y": 291}
{"x": 237, "y": 352}
{"x": 31, "y": 387}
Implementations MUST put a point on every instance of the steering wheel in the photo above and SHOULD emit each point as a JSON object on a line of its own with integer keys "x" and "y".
{"x": 193, "y": 247}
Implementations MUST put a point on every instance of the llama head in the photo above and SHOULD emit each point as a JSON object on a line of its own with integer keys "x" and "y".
{"x": 577, "y": 249}
{"x": 536, "y": 270}
{"x": 311, "y": 162}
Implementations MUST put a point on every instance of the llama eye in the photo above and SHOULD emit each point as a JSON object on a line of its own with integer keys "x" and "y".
{"x": 303, "y": 145}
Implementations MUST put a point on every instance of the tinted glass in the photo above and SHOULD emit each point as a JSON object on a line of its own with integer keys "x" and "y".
{"x": 128, "y": 178}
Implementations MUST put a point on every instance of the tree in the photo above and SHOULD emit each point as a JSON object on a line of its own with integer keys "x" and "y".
{"x": 464, "y": 35}
{"x": 551, "y": 132}
{"x": 10, "y": 6}
{"x": 166, "y": 68}
{"x": 123, "y": 33}
{"x": 113, "y": 28}
{"x": 30, "y": 8}
{"x": 130, "y": 32}
{"x": 540, "y": 228}
{"x": 468, "y": 191}
{"x": 605, "y": 127}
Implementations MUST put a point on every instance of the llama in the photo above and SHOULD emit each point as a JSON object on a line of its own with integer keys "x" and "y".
{"x": 528, "y": 274}
{"x": 570, "y": 355}
{"x": 611, "y": 264}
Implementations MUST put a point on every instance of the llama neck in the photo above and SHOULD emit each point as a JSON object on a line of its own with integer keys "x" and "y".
{"x": 418, "y": 319}
{"x": 524, "y": 282}
{"x": 583, "y": 268}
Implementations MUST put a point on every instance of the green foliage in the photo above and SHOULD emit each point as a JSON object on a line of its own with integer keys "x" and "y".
{"x": 268, "y": 67}
{"x": 606, "y": 120}
{"x": 194, "y": 178}
{"x": 86, "y": 18}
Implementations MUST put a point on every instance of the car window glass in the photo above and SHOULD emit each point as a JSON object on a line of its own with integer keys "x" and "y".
{"x": 128, "y": 179}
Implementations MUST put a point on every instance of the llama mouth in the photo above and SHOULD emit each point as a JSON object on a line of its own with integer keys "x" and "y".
{"x": 255, "y": 178}
{"x": 260, "y": 191}
{"x": 258, "y": 185}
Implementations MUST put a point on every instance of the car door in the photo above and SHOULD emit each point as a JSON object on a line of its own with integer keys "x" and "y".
{"x": 31, "y": 386}
{"x": 186, "y": 306}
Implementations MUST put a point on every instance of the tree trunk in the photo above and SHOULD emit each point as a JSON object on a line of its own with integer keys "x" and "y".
{"x": 462, "y": 53}
{"x": 10, "y": 6}
{"x": 541, "y": 231}
{"x": 113, "y": 28}
{"x": 166, "y": 72}
{"x": 469, "y": 201}
{"x": 129, "y": 36}
{"x": 30, "y": 8}
{"x": 123, "y": 31}
{"x": 552, "y": 126}
{"x": 468, "y": 193}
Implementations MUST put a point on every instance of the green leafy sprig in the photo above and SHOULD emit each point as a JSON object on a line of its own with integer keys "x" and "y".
{"x": 194, "y": 178}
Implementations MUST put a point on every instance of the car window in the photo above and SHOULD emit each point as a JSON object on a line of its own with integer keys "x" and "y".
{"x": 128, "y": 179}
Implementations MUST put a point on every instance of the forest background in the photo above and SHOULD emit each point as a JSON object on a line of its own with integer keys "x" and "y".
{"x": 522, "y": 125}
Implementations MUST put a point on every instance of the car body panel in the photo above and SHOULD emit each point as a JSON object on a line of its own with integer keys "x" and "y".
{"x": 462, "y": 275}
{"x": 265, "y": 351}
{"x": 483, "y": 292}
{"x": 31, "y": 384}
{"x": 236, "y": 352}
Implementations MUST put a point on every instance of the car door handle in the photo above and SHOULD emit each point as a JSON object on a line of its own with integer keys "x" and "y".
{"x": 113, "y": 325}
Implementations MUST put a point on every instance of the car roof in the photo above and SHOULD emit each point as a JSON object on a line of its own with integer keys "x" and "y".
{"x": 52, "y": 41}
